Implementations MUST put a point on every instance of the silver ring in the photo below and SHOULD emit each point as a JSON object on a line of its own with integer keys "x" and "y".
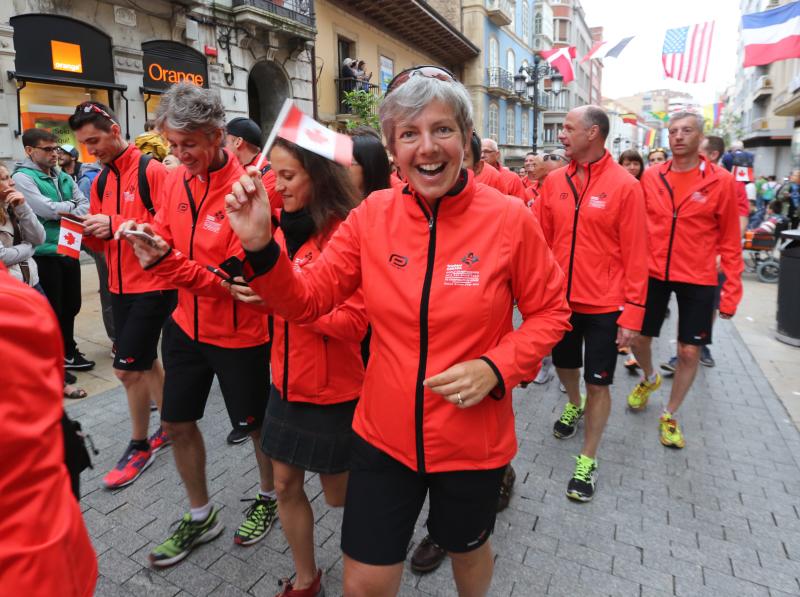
{"x": 460, "y": 399}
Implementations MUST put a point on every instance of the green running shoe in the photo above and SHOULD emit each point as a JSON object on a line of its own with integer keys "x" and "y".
{"x": 670, "y": 432}
{"x": 258, "y": 519}
{"x": 582, "y": 485}
{"x": 188, "y": 534}
{"x": 638, "y": 398}
{"x": 566, "y": 426}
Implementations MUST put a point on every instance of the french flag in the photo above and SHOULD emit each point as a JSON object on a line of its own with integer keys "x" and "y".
{"x": 771, "y": 35}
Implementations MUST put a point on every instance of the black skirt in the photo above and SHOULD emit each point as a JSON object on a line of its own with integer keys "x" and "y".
{"x": 312, "y": 437}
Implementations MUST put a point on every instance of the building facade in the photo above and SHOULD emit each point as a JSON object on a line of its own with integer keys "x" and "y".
{"x": 254, "y": 53}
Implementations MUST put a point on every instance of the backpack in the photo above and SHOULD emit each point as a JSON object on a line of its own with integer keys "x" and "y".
{"x": 144, "y": 184}
{"x": 768, "y": 191}
{"x": 743, "y": 158}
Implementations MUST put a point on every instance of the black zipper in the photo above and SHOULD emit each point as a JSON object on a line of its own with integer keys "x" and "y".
{"x": 674, "y": 223}
{"x": 285, "y": 360}
{"x": 195, "y": 213}
{"x": 235, "y": 319}
{"x": 578, "y": 201}
{"x": 119, "y": 212}
{"x": 423, "y": 334}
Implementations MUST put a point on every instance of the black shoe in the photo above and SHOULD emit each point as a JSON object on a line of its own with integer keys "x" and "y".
{"x": 78, "y": 362}
{"x": 582, "y": 485}
{"x": 427, "y": 557}
{"x": 705, "y": 357}
{"x": 506, "y": 488}
{"x": 237, "y": 436}
{"x": 69, "y": 378}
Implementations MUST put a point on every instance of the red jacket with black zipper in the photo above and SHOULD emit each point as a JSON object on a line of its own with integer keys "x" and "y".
{"x": 319, "y": 362}
{"x": 121, "y": 201}
{"x": 439, "y": 287}
{"x": 596, "y": 228}
{"x": 688, "y": 233}
{"x": 192, "y": 220}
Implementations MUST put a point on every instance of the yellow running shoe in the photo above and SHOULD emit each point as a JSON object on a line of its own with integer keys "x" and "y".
{"x": 670, "y": 432}
{"x": 638, "y": 398}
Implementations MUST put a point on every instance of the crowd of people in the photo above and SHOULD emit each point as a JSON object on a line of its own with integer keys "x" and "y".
{"x": 331, "y": 305}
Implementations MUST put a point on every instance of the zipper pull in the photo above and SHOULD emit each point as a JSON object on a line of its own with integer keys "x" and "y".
{"x": 430, "y": 223}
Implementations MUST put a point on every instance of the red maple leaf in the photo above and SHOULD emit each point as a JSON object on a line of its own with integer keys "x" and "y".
{"x": 316, "y": 136}
{"x": 69, "y": 238}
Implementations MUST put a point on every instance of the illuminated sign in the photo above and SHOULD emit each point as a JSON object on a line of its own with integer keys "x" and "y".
{"x": 167, "y": 62}
{"x": 66, "y": 56}
{"x": 158, "y": 73}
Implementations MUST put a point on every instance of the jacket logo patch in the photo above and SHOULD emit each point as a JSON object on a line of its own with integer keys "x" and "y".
{"x": 699, "y": 197}
{"x": 219, "y": 215}
{"x": 398, "y": 261}
{"x": 302, "y": 261}
{"x": 562, "y": 196}
{"x": 211, "y": 224}
{"x": 469, "y": 259}
{"x": 459, "y": 274}
{"x": 182, "y": 207}
{"x": 597, "y": 202}
{"x": 128, "y": 197}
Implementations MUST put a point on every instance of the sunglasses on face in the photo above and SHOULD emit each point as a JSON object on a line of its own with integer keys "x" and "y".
{"x": 431, "y": 72}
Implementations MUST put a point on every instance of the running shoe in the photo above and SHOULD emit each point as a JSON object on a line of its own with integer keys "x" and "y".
{"x": 705, "y": 357}
{"x": 258, "y": 518}
{"x": 315, "y": 590}
{"x": 671, "y": 365}
{"x": 567, "y": 424}
{"x": 78, "y": 362}
{"x": 237, "y": 436}
{"x": 582, "y": 485}
{"x": 624, "y": 350}
{"x": 132, "y": 464}
{"x": 670, "y": 433}
{"x": 562, "y": 388}
{"x": 638, "y": 398}
{"x": 632, "y": 365}
{"x": 187, "y": 535}
{"x": 159, "y": 440}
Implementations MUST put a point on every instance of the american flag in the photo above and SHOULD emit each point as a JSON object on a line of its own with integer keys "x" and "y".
{"x": 686, "y": 52}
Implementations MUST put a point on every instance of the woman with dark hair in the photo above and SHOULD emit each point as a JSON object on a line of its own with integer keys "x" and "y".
{"x": 370, "y": 170}
{"x": 317, "y": 371}
{"x": 632, "y": 162}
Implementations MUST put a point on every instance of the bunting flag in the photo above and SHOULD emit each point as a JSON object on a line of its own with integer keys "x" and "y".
{"x": 662, "y": 116}
{"x": 712, "y": 113}
{"x": 629, "y": 119}
{"x": 650, "y": 138}
{"x": 69, "y": 238}
{"x": 607, "y": 49}
{"x": 686, "y": 52}
{"x": 561, "y": 60}
{"x": 771, "y": 35}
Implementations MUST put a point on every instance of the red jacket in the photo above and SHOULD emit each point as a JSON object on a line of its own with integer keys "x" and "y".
{"x": 324, "y": 364}
{"x": 598, "y": 233}
{"x": 269, "y": 180}
{"x": 192, "y": 220}
{"x": 513, "y": 183}
{"x": 55, "y": 558}
{"x": 532, "y": 191}
{"x": 439, "y": 289}
{"x": 688, "y": 233}
{"x": 491, "y": 177}
{"x": 121, "y": 202}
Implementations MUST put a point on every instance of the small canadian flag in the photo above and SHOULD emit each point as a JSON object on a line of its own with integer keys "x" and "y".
{"x": 743, "y": 174}
{"x": 69, "y": 238}
{"x": 299, "y": 128}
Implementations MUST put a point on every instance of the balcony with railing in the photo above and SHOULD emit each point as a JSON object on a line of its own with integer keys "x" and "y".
{"x": 499, "y": 12}
{"x": 292, "y": 16}
{"x": 762, "y": 88}
{"x": 499, "y": 81}
{"x": 346, "y": 85}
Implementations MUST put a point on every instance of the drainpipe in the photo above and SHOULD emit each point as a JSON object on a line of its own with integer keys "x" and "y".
{"x": 314, "y": 78}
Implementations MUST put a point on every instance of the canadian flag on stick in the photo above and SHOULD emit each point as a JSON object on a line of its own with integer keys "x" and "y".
{"x": 69, "y": 238}
{"x": 561, "y": 60}
{"x": 299, "y": 128}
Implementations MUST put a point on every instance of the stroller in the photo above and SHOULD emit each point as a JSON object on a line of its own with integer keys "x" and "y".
{"x": 760, "y": 255}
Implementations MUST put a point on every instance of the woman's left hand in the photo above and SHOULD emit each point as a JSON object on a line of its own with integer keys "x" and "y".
{"x": 464, "y": 384}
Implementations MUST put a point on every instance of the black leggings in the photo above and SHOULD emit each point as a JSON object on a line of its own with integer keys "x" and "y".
{"x": 60, "y": 278}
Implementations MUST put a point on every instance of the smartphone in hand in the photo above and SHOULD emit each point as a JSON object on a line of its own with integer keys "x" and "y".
{"x": 141, "y": 235}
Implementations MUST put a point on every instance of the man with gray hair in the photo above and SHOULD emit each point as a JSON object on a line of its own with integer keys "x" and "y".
{"x": 592, "y": 215}
{"x": 692, "y": 220}
{"x": 511, "y": 182}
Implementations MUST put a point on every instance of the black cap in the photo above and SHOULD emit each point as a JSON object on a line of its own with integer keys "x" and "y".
{"x": 245, "y": 128}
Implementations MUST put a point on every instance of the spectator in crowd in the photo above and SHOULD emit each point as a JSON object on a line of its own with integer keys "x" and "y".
{"x": 51, "y": 194}
{"x": 20, "y": 232}
{"x": 209, "y": 334}
{"x": 774, "y": 218}
{"x": 68, "y": 161}
{"x": 632, "y": 162}
{"x": 512, "y": 185}
{"x": 657, "y": 156}
{"x": 434, "y": 417}
{"x": 57, "y": 558}
{"x": 362, "y": 75}
{"x": 151, "y": 142}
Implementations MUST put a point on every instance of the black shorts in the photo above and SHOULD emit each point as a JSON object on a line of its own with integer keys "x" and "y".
{"x": 138, "y": 319}
{"x": 190, "y": 367}
{"x": 695, "y": 310}
{"x": 598, "y": 331}
{"x": 384, "y": 499}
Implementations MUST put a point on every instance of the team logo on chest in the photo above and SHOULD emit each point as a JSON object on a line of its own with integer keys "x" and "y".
{"x": 699, "y": 197}
{"x": 463, "y": 273}
{"x": 129, "y": 196}
{"x": 301, "y": 261}
{"x": 598, "y": 201}
{"x": 212, "y": 224}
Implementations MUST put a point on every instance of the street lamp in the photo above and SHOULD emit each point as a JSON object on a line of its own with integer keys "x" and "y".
{"x": 530, "y": 85}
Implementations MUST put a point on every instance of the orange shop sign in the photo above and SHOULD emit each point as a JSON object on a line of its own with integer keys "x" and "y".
{"x": 156, "y": 72}
{"x": 66, "y": 56}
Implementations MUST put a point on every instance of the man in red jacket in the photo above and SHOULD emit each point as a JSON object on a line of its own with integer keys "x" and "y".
{"x": 511, "y": 182}
{"x": 692, "y": 219}
{"x": 593, "y": 217}
{"x": 140, "y": 302}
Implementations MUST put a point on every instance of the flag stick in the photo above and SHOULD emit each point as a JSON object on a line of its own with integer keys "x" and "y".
{"x": 287, "y": 105}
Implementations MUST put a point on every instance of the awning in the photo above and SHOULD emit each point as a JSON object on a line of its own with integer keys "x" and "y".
{"x": 418, "y": 25}
{"x": 65, "y": 81}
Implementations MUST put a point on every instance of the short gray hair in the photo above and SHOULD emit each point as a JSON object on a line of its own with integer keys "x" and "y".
{"x": 187, "y": 107}
{"x": 594, "y": 115}
{"x": 409, "y": 100}
{"x": 698, "y": 119}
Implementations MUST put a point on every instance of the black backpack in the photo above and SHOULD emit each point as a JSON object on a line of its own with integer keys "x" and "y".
{"x": 144, "y": 185}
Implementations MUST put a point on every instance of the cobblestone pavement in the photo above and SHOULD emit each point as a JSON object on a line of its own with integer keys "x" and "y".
{"x": 719, "y": 518}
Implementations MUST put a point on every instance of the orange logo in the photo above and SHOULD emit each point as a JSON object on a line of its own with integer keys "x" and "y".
{"x": 66, "y": 56}
{"x": 159, "y": 73}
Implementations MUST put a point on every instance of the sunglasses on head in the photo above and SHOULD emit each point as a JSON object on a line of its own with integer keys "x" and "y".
{"x": 89, "y": 107}
{"x": 431, "y": 72}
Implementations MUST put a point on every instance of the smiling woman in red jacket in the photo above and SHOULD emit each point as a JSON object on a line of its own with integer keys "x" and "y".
{"x": 440, "y": 262}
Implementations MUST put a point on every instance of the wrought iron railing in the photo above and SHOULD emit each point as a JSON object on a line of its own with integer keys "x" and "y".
{"x": 499, "y": 78}
{"x": 301, "y": 11}
{"x": 351, "y": 84}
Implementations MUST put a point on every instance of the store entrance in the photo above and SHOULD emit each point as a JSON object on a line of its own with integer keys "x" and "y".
{"x": 267, "y": 88}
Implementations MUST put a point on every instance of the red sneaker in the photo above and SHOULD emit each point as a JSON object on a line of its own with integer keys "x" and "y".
{"x": 132, "y": 464}
{"x": 315, "y": 590}
{"x": 159, "y": 440}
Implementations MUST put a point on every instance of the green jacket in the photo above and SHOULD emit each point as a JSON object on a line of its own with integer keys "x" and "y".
{"x": 47, "y": 187}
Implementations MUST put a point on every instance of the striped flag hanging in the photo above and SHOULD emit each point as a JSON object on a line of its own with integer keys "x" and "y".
{"x": 686, "y": 52}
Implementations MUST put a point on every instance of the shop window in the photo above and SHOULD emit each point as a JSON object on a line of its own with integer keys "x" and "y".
{"x": 50, "y": 106}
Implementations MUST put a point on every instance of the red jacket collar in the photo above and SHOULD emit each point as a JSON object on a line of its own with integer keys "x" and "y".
{"x": 219, "y": 177}
{"x": 127, "y": 159}
{"x": 708, "y": 171}
{"x": 594, "y": 167}
{"x": 453, "y": 203}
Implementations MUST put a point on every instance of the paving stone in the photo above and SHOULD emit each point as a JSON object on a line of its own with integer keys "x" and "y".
{"x": 115, "y": 566}
{"x": 769, "y": 578}
{"x": 728, "y": 585}
{"x": 146, "y": 583}
{"x": 193, "y": 579}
